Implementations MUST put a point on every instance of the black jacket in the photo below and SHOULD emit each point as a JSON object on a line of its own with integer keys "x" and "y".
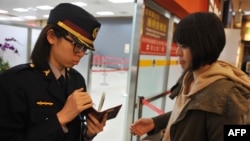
{"x": 29, "y": 100}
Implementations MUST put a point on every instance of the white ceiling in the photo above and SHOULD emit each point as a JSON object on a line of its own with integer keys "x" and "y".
{"x": 93, "y": 6}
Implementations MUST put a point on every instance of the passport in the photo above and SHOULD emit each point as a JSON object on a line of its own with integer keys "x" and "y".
{"x": 112, "y": 112}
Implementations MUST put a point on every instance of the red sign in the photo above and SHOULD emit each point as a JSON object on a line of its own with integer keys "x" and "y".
{"x": 173, "y": 50}
{"x": 152, "y": 46}
{"x": 154, "y": 34}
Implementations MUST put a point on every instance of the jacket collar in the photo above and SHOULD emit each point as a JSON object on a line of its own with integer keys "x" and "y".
{"x": 53, "y": 88}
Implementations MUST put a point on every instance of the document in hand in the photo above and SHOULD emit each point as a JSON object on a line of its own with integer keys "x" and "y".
{"x": 112, "y": 112}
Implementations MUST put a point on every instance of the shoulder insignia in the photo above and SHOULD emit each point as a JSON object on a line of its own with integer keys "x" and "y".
{"x": 32, "y": 65}
{"x": 46, "y": 72}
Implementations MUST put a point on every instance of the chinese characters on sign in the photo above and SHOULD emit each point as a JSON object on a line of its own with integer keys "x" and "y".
{"x": 154, "y": 34}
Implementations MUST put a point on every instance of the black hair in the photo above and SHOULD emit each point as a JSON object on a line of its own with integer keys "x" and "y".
{"x": 41, "y": 51}
{"x": 203, "y": 33}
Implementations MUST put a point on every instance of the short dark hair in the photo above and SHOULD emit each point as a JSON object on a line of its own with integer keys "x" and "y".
{"x": 41, "y": 51}
{"x": 203, "y": 33}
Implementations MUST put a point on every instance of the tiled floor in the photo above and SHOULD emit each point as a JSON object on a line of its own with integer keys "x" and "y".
{"x": 113, "y": 84}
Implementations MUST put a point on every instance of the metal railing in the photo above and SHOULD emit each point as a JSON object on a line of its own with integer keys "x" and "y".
{"x": 149, "y": 99}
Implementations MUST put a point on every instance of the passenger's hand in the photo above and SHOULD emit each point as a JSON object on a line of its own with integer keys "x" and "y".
{"x": 142, "y": 126}
{"x": 77, "y": 102}
{"x": 94, "y": 125}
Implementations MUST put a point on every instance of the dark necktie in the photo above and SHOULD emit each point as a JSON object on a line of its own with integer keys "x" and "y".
{"x": 62, "y": 83}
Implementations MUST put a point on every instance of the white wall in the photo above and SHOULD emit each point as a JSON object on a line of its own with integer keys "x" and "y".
{"x": 230, "y": 52}
{"x": 21, "y": 36}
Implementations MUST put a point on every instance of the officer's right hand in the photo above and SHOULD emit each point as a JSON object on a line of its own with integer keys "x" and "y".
{"x": 77, "y": 102}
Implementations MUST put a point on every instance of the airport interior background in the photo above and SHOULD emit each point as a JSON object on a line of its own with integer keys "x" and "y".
{"x": 130, "y": 68}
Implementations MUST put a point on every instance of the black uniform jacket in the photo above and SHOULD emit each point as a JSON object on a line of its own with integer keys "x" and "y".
{"x": 29, "y": 100}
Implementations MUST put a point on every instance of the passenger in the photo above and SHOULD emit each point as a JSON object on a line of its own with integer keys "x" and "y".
{"x": 209, "y": 95}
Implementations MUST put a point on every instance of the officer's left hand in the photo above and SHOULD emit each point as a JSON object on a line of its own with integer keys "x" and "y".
{"x": 94, "y": 126}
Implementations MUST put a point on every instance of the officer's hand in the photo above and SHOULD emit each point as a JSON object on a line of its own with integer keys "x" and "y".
{"x": 77, "y": 102}
{"x": 94, "y": 125}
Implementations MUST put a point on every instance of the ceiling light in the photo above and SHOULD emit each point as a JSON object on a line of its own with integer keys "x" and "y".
{"x": 31, "y": 9}
{"x": 3, "y": 11}
{"x": 79, "y": 4}
{"x": 246, "y": 12}
{"x": 44, "y": 7}
{"x": 105, "y": 13}
{"x": 30, "y": 17}
{"x": 16, "y": 19}
{"x": 20, "y": 10}
{"x": 45, "y": 16}
{"x": 3, "y": 19}
{"x": 121, "y": 1}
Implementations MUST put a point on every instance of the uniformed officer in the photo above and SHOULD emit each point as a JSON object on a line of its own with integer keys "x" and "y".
{"x": 34, "y": 104}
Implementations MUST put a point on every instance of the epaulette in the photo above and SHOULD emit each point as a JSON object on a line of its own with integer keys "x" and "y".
{"x": 32, "y": 66}
{"x": 22, "y": 67}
